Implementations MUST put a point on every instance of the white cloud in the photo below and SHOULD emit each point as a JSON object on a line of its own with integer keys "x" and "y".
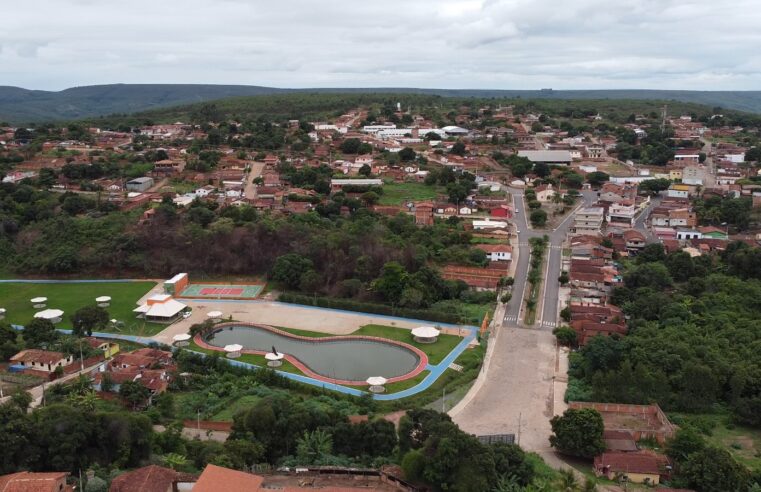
{"x": 499, "y": 44}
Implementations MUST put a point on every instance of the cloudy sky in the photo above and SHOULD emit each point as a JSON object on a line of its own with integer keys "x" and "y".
{"x": 489, "y": 44}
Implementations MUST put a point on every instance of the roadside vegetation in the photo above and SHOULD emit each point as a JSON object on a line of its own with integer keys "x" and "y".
{"x": 538, "y": 248}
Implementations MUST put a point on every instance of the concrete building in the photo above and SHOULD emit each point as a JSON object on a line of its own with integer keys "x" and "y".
{"x": 588, "y": 220}
{"x": 140, "y": 184}
{"x": 694, "y": 175}
{"x": 547, "y": 156}
{"x": 622, "y": 214}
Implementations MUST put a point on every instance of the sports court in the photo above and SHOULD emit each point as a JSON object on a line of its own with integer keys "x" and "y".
{"x": 221, "y": 291}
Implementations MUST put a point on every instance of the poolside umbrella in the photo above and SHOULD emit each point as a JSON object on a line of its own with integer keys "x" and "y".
{"x": 103, "y": 301}
{"x": 274, "y": 359}
{"x": 376, "y": 384}
{"x": 2, "y": 312}
{"x": 181, "y": 339}
{"x": 53, "y": 315}
{"x": 233, "y": 350}
{"x": 214, "y": 314}
{"x": 39, "y": 302}
{"x": 425, "y": 334}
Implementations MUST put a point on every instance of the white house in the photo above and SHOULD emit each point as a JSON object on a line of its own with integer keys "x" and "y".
{"x": 489, "y": 224}
{"x": 497, "y": 252}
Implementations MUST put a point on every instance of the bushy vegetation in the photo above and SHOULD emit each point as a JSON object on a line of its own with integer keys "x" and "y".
{"x": 693, "y": 335}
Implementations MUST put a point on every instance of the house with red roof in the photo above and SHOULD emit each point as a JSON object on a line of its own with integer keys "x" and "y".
{"x": 35, "y": 482}
{"x": 638, "y": 467}
{"x": 152, "y": 478}
{"x": 497, "y": 252}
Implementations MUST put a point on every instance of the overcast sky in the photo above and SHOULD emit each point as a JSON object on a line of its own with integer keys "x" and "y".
{"x": 482, "y": 44}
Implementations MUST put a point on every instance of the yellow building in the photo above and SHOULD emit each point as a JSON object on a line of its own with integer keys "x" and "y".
{"x": 108, "y": 348}
{"x": 633, "y": 467}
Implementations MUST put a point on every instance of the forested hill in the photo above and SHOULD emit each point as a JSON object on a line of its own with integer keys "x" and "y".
{"x": 19, "y": 105}
{"x": 25, "y": 106}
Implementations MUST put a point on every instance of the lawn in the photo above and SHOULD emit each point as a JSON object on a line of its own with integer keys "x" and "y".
{"x": 241, "y": 403}
{"x": 400, "y": 193}
{"x": 257, "y": 360}
{"x": 69, "y": 297}
{"x": 435, "y": 351}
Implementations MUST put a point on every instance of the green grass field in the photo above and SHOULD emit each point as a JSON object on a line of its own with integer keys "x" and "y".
{"x": 435, "y": 351}
{"x": 69, "y": 297}
{"x": 399, "y": 193}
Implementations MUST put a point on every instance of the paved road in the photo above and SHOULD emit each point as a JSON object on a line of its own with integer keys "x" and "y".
{"x": 547, "y": 317}
{"x": 523, "y": 381}
{"x": 37, "y": 391}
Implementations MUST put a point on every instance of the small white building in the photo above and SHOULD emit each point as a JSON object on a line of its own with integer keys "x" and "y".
{"x": 489, "y": 224}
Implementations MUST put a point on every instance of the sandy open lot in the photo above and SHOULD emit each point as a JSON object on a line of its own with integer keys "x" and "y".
{"x": 519, "y": 386}
{"x": 285, "y": 315}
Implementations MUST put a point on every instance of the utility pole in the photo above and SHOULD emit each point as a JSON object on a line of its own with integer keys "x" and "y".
{"x": 520, "y": 416}
{"x": 81, "y": 359}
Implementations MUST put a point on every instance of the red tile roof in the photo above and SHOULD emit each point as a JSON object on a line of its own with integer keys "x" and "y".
{"x": 622, "y": 462}
{"x": 152, "y": 478}
{"x": 217, "y": 479}
{"x": 38, "y": 356}
{"x": 34, "y": 482}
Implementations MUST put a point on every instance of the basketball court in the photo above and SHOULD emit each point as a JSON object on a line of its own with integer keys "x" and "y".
{"x": 221, "y": 291}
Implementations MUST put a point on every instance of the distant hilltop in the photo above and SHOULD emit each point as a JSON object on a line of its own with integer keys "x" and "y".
{"x": 19, "y": 105}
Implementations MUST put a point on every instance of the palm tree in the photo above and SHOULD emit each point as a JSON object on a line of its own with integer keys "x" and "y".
{"x": 590, "y": 485}
{"x": 174, "y": 460}
{"x": 507, "y": 483}
{"x": 314, "y": 445}
{"x": 568, "y": 480}
{"x": 84, "y": 401}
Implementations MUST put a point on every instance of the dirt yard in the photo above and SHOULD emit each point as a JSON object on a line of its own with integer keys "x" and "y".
{"x": 281, "y": 314}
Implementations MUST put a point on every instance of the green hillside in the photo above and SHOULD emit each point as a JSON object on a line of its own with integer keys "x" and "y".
{"x": 19, "y": 105}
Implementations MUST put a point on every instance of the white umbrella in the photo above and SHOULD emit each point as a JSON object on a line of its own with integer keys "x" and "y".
{"x": 51, "y": 314}
{"x": 376, "y": 384}
{"x": 376, "y": 381}
{"x": 38, "y": 300}
{"x": 2, "y": 311}
{"x": 233, "y": 350}
{"x": 103, "y": 299}
{"x": 214, "y": 314}
{"x": 425, "y": 334}
{"x": 182, "y": 337}
{"x": 273, "y": 359}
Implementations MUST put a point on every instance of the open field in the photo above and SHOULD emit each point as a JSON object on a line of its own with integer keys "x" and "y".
{"x": 15, "y": 296}
{"x": 399, "y": 193}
